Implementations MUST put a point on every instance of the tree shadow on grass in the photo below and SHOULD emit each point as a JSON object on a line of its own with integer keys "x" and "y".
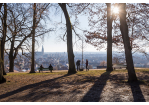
{"x": 135, "y": 88}
{"x": 145, "y": 72}
{"x": 93, "y": 95}
{"x": 31, "y": 86}
{"x": 136, "y": 91}
{"x": 38, "y": 93}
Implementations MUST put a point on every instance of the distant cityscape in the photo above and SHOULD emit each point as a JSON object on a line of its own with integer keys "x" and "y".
{"x": 59, "y": 60}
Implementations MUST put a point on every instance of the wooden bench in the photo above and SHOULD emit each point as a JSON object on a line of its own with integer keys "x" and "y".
{"x": 45, "y": 69}
{"x": 119, "y": 66}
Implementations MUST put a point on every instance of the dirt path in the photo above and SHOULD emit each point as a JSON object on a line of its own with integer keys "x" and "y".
{"x": 107, "y": 87}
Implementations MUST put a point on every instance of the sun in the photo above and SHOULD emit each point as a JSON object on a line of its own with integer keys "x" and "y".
{"x": 115, "y": 10}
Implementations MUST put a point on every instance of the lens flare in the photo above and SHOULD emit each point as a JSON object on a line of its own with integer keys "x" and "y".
{"x": 115, "y": 9}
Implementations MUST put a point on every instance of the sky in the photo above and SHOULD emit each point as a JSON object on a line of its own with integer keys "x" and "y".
{"x": 57, "y": 45}
{"x": 52, "y": 42}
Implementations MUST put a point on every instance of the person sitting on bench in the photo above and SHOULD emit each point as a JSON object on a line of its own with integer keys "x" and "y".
{"x": 50, "y": 68}
{"x": 41, "y": 67}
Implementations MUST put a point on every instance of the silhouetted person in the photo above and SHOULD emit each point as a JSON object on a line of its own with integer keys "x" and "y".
{"x": 78, "y": 64}
{"x": 50, "y": 68}
{"x": 41, "y": 68}
{"x": 86, "y": 65}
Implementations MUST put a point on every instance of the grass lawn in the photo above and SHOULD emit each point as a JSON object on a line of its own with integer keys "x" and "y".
{"x": 93, "y": 85}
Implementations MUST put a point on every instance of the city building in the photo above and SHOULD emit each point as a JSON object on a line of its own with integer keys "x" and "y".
{"x": 38, "y": 54}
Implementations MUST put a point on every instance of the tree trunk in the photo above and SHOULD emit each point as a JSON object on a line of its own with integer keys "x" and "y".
{"x": 124, "y": 30}
{"x": 33, "y": 40}
{"x": 2, "y": 79}
{"x": 4, "y": 36}
{"x": 11, "y": 58}
{"x": 1, "y": 70}
{"x": 109, "y": 38}
{"x": 1, "y": 5}
{"x": 11, "y": 64}
{"x": 72, "y": 68}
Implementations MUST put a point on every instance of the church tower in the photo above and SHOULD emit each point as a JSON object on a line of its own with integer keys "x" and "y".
{"x": 42, "y": 50}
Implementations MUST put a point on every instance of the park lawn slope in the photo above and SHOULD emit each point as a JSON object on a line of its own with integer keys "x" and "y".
{"x": 50, "y": 87}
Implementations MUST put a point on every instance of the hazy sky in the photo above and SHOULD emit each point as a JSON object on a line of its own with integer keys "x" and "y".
{"x": 52, "y": 42}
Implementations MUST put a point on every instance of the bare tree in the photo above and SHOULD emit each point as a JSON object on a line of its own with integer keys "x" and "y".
{"x": 33, "y": 39}
{"x": 116, "y": 60}
{"x": 137, "y": 17}
{"x": 69, "y": 40}
{"x": 15, "y": 24}
{"x": 109, "y": 38}
{"x": 124, "y": 30}
{"x": 136, "y": 21}
{"x": 20, "y": 29}
{"x": 103, "y": 63}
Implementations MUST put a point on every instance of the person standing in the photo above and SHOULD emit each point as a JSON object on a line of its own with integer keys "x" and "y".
{"x": 78, "y": 64}
{"x": 86, "y": 65}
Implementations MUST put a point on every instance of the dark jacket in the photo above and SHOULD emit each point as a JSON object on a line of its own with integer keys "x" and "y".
{"x": 41, "y": 67}
{"x": 50, "y": 67}
{"x": 78, "y": 62}
{"x": 86, "y": 63}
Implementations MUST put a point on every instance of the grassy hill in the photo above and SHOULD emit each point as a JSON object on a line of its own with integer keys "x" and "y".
{"x": 93, "y": 85}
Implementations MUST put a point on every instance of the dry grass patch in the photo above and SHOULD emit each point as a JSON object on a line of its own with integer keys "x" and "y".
{"x": 58, "y": 86}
